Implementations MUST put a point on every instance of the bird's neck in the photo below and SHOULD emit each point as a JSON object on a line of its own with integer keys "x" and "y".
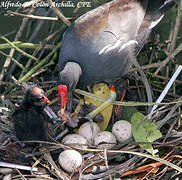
{"x": 70, "y": 75}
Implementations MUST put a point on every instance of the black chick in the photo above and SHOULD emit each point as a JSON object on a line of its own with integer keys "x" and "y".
{"x": 29, "y": 118}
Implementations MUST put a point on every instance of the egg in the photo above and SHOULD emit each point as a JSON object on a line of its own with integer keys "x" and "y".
{"x": 85, "y": 130}
{"x": 104, "y": 140}
{"x": 122, "y": 130}
{"x": 70, "y": 160}
{"x": 75, "y": 140}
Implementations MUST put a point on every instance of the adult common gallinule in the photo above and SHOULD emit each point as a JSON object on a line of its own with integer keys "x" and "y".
{"x": 29, "y": 118}
{"x": 102, "y": 44}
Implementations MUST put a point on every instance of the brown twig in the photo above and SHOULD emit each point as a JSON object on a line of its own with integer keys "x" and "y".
{"x": 30, "y": 16}
{"x": 59, "y": 13}
{"x": 177, "y": 26}
{"x": 173, "y": 38}
{"x": 168, "y": 116}
{"x": 106, "y": 163}
{"x": 164, "y": 78}
{"x": 54, "y": 168}
{"x": 169, "y": 130}
{"x": 171, "y": 56}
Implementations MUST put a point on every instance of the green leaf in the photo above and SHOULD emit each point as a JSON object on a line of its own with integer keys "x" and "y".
{"x": 127, "y": 112}
{"x": 144, "y": 131}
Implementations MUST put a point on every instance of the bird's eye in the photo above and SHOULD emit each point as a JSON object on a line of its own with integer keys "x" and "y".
{"x": 39, "y": 96}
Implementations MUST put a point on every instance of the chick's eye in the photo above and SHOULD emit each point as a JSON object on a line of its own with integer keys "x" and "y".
{"x": 39, "y": 96}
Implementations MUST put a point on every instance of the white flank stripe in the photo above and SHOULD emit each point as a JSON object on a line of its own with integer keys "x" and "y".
{"x": 117, "y": 44}
{"x": 104, "y": 49}
{"x": 154, "y": 23}
{"x": 110, "y": 47}
{"x": 127, "y": 44}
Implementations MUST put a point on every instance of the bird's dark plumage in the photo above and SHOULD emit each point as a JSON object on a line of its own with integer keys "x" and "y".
{"x": 100, "y": 40}
{"x": 29, "y": 119}
{"x": 105, "y": 40}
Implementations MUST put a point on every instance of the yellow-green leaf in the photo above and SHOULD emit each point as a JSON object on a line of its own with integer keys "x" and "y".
{"x": 103, "y": 91}
{"x": 144, "y": 131}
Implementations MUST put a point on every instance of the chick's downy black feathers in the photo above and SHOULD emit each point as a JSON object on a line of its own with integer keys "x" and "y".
{"x": 29, "y": 118}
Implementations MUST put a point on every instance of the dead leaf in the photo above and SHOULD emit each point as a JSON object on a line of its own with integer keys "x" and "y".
{"x": 103, "y": 91}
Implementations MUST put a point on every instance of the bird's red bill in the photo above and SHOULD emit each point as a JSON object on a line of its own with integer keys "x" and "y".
{"x": 45, "y": 99}
{"x": 112, "y": 88}
{"x": 63, "y": 94}
{"x": 37, "y": 90}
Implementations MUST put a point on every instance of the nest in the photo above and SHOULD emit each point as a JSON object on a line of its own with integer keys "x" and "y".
{"x": 36, "y": 63}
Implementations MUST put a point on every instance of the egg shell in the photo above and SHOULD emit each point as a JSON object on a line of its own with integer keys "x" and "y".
{"x": 86, "y": 131}
{"x": 101, "y": 139}
{"x": 70, "y": 160}
{"x": 122, "y": 130}
{"x": 78, "y": 140}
